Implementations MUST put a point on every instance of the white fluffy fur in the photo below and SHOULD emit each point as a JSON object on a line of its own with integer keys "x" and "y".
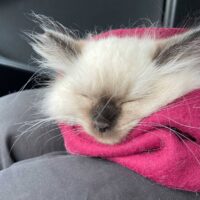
{"x": 121, "y": 68}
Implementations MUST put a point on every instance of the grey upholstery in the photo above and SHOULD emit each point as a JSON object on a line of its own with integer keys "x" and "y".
{"x": 35, "y": 166}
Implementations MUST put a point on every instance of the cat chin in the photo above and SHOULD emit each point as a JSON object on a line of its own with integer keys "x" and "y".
{"x": 109, "y": 141}
{"x": 109, "y": 138}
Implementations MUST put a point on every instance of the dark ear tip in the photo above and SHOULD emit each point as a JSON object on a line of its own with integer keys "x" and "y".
{"x": 157, "y": 52}
{"x": 67, "y": 44}
{"x": 171, "y": 49}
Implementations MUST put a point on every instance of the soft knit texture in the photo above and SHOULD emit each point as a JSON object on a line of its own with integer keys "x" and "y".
{"x": 154, "y": 149}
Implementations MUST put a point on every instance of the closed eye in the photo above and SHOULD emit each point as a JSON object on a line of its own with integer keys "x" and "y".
{"x": 85, "y": 96}
{"x": 130, "y": 101}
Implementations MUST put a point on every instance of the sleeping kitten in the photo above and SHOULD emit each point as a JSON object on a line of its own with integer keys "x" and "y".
{"x": 108, "y": 85}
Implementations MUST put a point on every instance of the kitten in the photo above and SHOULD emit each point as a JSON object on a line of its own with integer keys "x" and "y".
{"x": 108, "y": 85}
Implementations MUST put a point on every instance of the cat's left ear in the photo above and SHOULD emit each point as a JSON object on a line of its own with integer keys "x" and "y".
{"x": 178, "y": 52}
{"x": 57, "y": 48}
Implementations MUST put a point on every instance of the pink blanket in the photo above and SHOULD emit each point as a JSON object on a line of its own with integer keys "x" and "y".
{"x": 165, "y": 149}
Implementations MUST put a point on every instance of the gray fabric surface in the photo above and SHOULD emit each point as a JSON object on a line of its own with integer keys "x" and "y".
{"x": 35, "y": 166}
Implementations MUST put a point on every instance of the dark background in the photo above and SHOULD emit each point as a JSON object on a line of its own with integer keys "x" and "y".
{"x": 16, "y": 66}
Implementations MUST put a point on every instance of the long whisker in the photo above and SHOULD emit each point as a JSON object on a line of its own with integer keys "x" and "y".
{"x": 52, "y": 138}
{"x": 196, "y": 158}
{"x": 35, "y": 124}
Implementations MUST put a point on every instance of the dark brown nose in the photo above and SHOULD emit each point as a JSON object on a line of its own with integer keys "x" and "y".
{"x": 105, "y": 114}
{"x": 101, "y": 126}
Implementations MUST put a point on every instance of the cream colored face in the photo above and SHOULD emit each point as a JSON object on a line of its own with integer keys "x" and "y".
{"x": 109, "y": 85}
{"x": 104, "y": 93}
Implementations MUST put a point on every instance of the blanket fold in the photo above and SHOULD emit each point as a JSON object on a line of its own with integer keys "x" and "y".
{"x": 165, "y": 147}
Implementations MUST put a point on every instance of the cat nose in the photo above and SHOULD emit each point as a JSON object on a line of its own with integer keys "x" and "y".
{"x": 104, "y": 115}
{"x": 101, "y": 126}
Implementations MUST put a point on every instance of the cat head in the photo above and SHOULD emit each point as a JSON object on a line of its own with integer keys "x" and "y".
{"x": 108, "y": 85}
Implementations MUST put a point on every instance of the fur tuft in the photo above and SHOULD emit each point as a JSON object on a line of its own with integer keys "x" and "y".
{"x": 57, "y": 46}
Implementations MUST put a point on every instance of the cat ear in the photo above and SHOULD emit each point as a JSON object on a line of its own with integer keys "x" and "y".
{"x": 56, "y": 47}
{"x": 178, "y": 52}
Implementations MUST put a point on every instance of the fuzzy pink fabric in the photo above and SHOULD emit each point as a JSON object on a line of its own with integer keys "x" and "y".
{"x": 153, "y": 149}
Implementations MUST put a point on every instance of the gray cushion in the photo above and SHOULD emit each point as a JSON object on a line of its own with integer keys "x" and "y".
{"x": 36, "y": 166}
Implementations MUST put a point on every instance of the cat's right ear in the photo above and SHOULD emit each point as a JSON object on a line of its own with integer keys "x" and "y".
{"x": 178, "y": 52}
{"x": 57, "y": 49}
